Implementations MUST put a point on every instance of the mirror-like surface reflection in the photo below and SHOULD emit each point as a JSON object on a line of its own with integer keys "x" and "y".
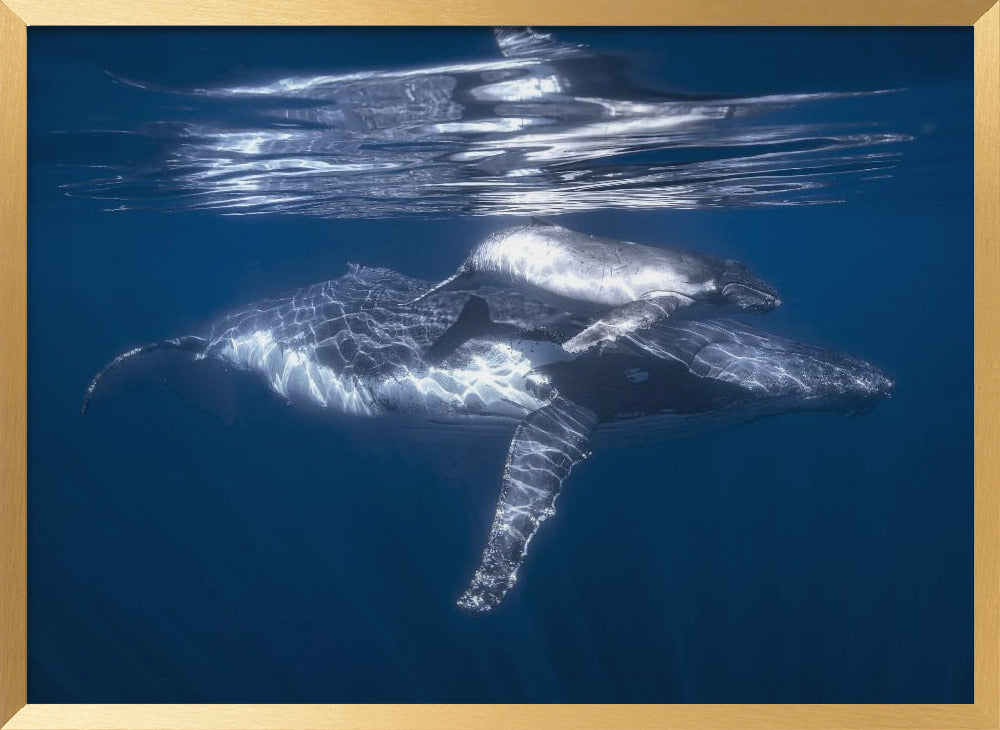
{"x": 545, "y": 128}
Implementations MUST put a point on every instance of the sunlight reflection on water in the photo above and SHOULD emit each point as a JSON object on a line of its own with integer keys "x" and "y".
{"x": 550, "y": 128}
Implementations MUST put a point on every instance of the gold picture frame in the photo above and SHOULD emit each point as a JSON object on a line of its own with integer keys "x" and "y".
{"x": 16, "y": 15}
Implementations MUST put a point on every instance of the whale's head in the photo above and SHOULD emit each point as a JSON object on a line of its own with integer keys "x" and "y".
{"x": 871, "y": 385}
{"x": 744, "y": 291}
{"x": 685, "y": 366}
{"x": 787, "y": 376}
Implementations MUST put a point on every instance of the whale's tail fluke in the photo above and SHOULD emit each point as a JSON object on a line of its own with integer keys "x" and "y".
{"x": 156, "y": 359}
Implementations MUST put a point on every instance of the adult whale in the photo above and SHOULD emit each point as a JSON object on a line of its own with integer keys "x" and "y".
{"x": 348, "y": 347}
{"x": 634, "y": 285}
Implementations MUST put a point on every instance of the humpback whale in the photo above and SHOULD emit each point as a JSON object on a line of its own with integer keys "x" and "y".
{"x": 347, "y": 346}
{"x": 630, "y": 285}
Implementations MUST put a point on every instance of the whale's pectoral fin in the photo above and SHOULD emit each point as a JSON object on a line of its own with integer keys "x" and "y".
{"x": 546, "y": 445}
{"x": 455, "y": 281}
{"x": 631, "y": 317}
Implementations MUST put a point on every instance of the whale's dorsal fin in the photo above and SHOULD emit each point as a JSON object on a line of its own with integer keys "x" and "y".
{"x": 473, "y": 321}
{"x": 542, "y": 223}
{"x": 546, "y": 445}
{"x": 524, "y": 42}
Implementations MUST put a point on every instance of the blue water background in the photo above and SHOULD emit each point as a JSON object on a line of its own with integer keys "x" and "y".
{"x": 806, "y": 558}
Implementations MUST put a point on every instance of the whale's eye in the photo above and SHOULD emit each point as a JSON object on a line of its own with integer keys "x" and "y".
{"x": 636, "y": 375}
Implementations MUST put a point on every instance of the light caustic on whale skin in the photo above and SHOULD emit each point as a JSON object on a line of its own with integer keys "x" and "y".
{"x": 548, "y": 128}
{"x": 348, "y": 346}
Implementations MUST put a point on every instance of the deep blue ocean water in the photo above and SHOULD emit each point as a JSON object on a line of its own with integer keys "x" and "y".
{"x": 803, "y": 558}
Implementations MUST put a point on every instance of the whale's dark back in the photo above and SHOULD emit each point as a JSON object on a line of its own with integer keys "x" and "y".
{"x": 689, "y": 368}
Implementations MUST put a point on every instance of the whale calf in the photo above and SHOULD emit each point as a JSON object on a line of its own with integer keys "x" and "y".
{"x": 629, "y": 285}
{"x": 348, "y": 346}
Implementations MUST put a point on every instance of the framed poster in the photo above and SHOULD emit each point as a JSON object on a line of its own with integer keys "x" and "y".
{"x": 499, "y": 375}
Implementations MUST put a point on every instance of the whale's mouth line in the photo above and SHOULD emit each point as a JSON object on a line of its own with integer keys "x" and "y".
{"x": 768, "y": 298}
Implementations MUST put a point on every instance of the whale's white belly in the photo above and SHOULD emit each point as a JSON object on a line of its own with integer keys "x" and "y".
{"x": 295, "y": 374}
{"x": 495, "y": 380}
